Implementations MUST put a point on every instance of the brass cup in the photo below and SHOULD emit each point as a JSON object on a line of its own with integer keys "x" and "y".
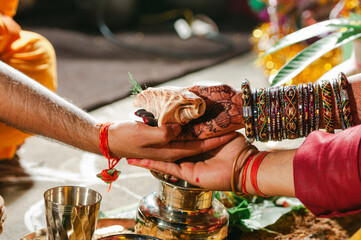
{"x": 71, "y": 212}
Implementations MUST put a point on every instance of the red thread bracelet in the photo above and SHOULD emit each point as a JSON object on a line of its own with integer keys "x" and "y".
{"x": 111, "y": 174}
{"x": 244, "y": 176}
{"x": 254, "y": 171}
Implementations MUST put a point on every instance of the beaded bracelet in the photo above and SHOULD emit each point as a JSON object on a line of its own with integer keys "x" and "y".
{"x": 247, "y": 110}
{"x": 326, "y": 91}
{"x": 345, "y": 102}
{"x": 290, "y": 111}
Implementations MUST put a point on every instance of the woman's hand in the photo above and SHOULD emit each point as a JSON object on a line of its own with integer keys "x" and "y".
{"x": 211, "y": 170}
{"x": 224, "y": 112}
{"x": 138, "y": 140}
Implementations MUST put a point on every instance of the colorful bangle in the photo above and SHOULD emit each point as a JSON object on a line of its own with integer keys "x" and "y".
{"x": 282, "y": 113}
{"x": 111, "y": 174}
{"x": 345, "y": 102}
{"x": 326, "y": 91}
{"x": 275, "y": 114}
{"x": 311, "y": 104}
{"x": 247, "y": 110}
{"x": 300, "y": 109}
{"x": 254, "y": 170}
{"x": 306, "y": 99}
{"x": 262, "y": 115}
{"x": 290, "y": 111}
{"x": 336, "y": 93}
{"x": 268, "y": 107}
{"x": 317, "y": 105}
{"x": 255, "y": 113}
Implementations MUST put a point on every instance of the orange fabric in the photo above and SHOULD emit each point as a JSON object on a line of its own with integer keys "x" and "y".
{"x": 31, "y": 54}
{"x": 8, "y": 7}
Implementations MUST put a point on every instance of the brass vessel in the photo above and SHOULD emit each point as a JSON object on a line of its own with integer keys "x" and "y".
{"x": 181, "y": 211}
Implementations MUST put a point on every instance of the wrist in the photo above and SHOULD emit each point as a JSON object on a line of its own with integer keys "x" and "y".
{"x": 238, "y": 168}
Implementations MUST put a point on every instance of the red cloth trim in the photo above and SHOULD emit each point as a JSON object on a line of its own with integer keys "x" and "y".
{"x": 327, "y": 173}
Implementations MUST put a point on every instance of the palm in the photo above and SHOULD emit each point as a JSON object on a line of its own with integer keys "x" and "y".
{"x": 223, "y": 113}
{"x": 211, "y": 170}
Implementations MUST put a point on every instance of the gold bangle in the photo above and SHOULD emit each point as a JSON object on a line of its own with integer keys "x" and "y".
{"x": 244, "y": 149}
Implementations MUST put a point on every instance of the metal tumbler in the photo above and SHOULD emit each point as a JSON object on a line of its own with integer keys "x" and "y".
{"x": 71, "y": 212}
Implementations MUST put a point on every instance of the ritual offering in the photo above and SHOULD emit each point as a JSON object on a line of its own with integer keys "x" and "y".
{"x": 171, "y": 104}
{"x": 180, "y": 210}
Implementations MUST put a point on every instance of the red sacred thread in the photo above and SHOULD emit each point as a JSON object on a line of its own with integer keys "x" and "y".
{"x": 111, "y": 174}
{"x": 244, "y": 176}
{"x": 254, "y": 170}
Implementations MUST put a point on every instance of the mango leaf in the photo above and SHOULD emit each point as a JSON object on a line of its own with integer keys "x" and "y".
{"x": 314, "y": 30}
{"x": 313, "y": 52}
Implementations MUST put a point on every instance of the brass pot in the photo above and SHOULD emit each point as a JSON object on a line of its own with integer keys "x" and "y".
{"x": 181, "y": 211}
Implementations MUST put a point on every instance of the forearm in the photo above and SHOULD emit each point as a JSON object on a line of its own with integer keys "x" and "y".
{"x": 30, "y": 107}
{"x": 275, "y": 175}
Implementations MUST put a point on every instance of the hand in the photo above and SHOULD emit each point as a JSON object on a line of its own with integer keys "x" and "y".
{"x": 211, "y": 170}
{"x": 224, "y": 112}
{"x": 138, "y": 140}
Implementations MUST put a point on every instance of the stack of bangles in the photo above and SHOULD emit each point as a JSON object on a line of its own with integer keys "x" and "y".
{"x": 290, "y": 112}
{"x": 285, "y": 112}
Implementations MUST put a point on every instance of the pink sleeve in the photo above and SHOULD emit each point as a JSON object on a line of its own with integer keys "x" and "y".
{"x": 327, "y": 173}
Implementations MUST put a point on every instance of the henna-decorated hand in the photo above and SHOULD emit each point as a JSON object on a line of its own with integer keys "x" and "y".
{"x": 224, "y": 112}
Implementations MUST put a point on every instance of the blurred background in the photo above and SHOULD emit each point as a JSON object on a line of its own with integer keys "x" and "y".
{"x": 140, "y": 37}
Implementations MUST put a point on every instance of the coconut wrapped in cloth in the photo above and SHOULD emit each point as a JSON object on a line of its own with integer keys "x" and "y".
{"x": 171, "y": 104}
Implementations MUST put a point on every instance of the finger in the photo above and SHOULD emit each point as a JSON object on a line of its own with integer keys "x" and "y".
{"x": 148, "y": 117}
{"x": 162, "y": 135}
{"x": 164, "y": 167}
{"x": 190, "y": 148}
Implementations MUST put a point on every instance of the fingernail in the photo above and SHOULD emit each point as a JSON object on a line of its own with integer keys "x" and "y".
{"x": 131, "y": 161}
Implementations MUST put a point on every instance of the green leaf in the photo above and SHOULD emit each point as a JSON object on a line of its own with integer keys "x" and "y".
{"x": 264, "y": 214}
{"x": 136, "y": 87}
{"x": 309, "y": 32}
{"x": 354, "y": 16}
{"x": 313, "y": 52}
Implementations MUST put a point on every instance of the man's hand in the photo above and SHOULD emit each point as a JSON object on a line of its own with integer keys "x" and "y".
{"x": 210, "y": 170}
{"x": 138, "y": 140}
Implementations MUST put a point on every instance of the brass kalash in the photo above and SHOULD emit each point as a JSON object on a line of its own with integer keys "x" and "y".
{"x": 181, "y": 211}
